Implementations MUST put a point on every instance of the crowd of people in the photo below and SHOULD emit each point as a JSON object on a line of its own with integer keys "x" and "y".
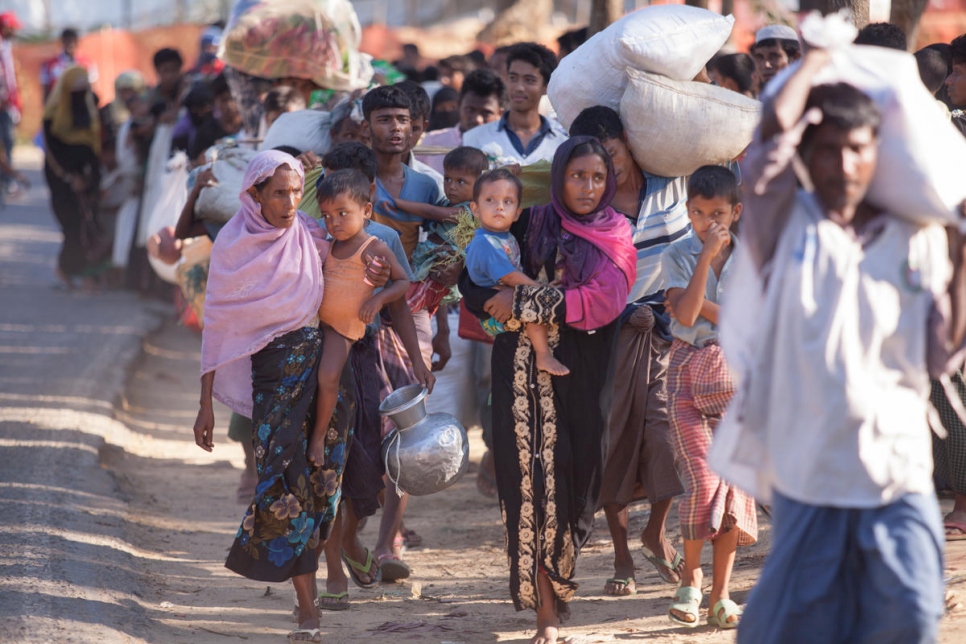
{"x": 600, "y": 376}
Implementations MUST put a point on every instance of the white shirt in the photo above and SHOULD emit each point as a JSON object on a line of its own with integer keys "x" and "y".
{"x": 493, "y": 139}
{"x": 832, "y": 407}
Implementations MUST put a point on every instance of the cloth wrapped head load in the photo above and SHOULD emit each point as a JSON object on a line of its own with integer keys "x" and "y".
{"x": 219, "y": 203}
{"x": 672, "y": 40}
{"x": 919, "y": 174}
{"x": 317, "y": 40}
{"x": 675, "y": 127}
{"x": 304, "y": 130}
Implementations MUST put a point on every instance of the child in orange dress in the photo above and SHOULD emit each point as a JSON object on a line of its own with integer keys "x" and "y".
{"x": 348, "y": 300}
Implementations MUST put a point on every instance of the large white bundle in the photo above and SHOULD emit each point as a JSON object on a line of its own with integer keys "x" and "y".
{"x": 919, "y": 175}
{"x": 303, "y": 130}
{"x": 675, "y": 127}
{"x": 672, "y": 40}
{"x": 218, "y": 203}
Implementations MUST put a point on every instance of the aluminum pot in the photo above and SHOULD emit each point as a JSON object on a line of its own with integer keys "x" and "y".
{"x": 426, "y": 453}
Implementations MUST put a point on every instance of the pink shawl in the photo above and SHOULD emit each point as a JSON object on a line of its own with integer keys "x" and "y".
{"x": 263, "y": 283}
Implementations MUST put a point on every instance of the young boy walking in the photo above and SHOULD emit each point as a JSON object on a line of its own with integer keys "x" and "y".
{"x": 697, "y": 269}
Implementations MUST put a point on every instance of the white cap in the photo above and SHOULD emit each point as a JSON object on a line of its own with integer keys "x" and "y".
{"x": 780, "y": 32}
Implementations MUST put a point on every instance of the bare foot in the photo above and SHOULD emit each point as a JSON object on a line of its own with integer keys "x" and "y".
{"x": 546, "y": 362}
{"x": 545, "y": 635}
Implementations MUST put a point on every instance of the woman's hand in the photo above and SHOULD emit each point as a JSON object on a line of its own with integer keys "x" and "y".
{"x": 500, "y": 306}
{"x": 378, "y": 271}
{"x": 424, "y": 376}
{"x": 204, "y": 428}
{"x": 78, "y": 184}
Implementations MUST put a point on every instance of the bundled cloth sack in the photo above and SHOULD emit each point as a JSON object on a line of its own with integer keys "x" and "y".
{"x": 919, "y": 174}
{"x": 317, "y": 40}
{"x": 303, "y": 130}
{"x": 675, "y": 127}
{"x": 672, "y": 40}
{"x": 218, "y": 203}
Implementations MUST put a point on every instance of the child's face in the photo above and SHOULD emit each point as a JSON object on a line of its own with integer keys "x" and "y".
{"x": 704, "y": 212}
{"x": 498, "y": 206}
{"x": 343, "y": 216}
{"x": 458, "y": 185}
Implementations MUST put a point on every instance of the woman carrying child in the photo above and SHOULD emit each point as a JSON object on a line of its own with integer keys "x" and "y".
{"x": 547, "y": 431}
{"x": 696, "y": 268}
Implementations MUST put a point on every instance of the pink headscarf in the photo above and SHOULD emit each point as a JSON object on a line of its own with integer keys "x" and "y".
{"x": 263, "y": 282}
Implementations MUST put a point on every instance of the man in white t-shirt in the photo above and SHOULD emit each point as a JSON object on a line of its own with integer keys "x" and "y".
{"x": 831, "y": 421}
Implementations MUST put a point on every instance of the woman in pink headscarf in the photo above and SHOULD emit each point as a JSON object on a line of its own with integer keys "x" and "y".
{"x": 260, "y": 357}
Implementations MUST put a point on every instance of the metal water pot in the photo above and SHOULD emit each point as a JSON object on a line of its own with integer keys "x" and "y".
{"x": 427, "y": 452}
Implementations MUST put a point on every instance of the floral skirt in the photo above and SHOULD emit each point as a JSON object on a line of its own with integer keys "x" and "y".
{"x": 295, "y": 502}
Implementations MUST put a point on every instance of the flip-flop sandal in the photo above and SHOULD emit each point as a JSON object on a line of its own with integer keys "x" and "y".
{"x": 338, "y": 605}
{"x": 298, "y": 635}
{"x": 730, "y": 609}
{"x": 687, "y": 600}
{"x": 658, "y": 562}
{"x": 630, "y": 587}
{"x": 954, "y": 525}
{"x": 355, "y": 568}
{"x": 392, "y": 568}
{"x": 411, "y": 539}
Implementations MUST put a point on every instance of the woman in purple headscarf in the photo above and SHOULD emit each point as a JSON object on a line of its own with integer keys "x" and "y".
{"x": 547, "y": 430}
{"x": 260, "y": 356}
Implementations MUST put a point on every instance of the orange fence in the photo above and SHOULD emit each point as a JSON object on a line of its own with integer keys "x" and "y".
{"x": 113, "y": 51}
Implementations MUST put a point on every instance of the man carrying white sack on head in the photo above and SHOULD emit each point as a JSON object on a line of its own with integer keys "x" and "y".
{"x": 839, "y": 315}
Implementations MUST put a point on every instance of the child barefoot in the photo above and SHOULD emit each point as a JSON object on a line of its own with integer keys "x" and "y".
{"x": 348, "y": 302}
{"x": 493, "y": 257}
{"x": 699, "y": 389}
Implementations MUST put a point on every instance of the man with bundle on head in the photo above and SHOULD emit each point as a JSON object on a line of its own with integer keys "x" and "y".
{"x": 640, "y": 461}
{"x": 839, "y": 314}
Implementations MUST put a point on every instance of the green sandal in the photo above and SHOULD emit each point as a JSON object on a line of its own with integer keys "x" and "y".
{"x": 730, "y": 609}
{"x": 687, "y": 600}
{"x": 338, "y": 605}
{"x": 657, "y": 562}
{"x": 629, "y": 587}
{"x": 355, "y": 568}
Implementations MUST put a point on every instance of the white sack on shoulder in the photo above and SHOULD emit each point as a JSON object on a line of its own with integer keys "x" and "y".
{"x": 919, "y": 175}
{"x": 672, "y": 40}
{"x": 303, "y": 130}
{"x": 675, "y": 127}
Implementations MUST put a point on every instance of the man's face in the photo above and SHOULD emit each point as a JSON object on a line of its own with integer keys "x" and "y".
{"x": 621, "y": 157}
{"x": 769, "y": 60}
{"x": 348, "y": 131}
{"x": 841, "y": 164}
{"x": 956, "y": 84}
{"x": 477, "y": 110}
{"x": 390, "y": 129}
{"x": 417, "y": 127}
{"x": 525, "y": 86}
{"x": 229, "y": 116}
{"x": 169, "y": 75}
{"x": 70, "y": 46}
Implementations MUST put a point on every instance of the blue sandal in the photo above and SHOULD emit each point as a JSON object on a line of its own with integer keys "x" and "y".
{"x": 687, "y": 600}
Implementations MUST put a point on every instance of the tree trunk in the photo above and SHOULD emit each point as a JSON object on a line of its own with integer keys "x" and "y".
{"x": 520, "y": 21}
{"x": 859, "y": 8}
{"x": 906, "y": 14}
{"x": 603, "y": 13}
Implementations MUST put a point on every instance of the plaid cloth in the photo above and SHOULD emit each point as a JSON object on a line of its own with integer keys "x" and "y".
{"x": 699, "y": 389}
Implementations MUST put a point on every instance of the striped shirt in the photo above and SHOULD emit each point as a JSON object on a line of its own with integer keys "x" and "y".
{"x": 662, "y": 219}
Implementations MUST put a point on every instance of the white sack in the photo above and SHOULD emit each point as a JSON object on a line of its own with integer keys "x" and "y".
{"x": 675, "y": 127}
{"x": 303, "y": 130}
{"x": 218, "y": 203}
{"x": 672, "y": 40}
{"x": 124, "y": 229}
{"x": 919, "y": 175}
{"x": 172, "y": 194}
{"x": 153, "y": 178}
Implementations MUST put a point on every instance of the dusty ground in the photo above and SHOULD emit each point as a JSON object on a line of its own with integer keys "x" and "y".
{"x": 183, "y": 516}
